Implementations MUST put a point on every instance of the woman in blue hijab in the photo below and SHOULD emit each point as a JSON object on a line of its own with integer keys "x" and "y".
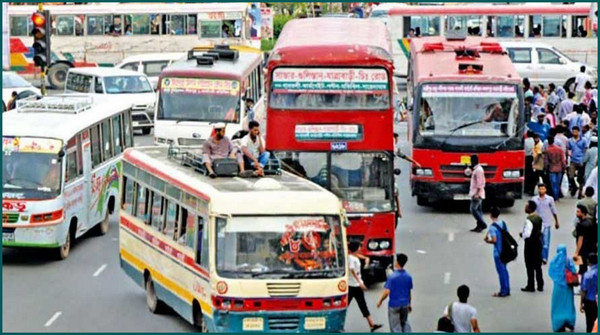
{"x": 563, "y": 304}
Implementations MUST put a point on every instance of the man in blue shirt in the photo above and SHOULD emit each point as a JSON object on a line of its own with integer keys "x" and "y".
{"x": 589, "y": 291}
{"x": 540, "y": 127}
{"x": 576, "y": 147}
{"x": 398, "y": 287}
{"x": 494, "y": 236}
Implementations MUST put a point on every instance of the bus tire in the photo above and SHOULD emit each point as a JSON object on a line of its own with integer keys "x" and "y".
{"x": 422, "y": 201}
{"x": 102, "y": 227}
{"x": 57, "y": 75}
{"x": 570, "y": 85}
{"x": 63, "y": 251}
{"x": 199, "y": 318}
{"x": 146, "y": 131}
{"x": 155, "y": 305}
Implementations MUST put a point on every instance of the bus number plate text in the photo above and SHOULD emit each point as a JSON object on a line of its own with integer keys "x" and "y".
{"x": 314, "y": 323}
{"x": 8, "y": 237}
{"x": 339, "y": 146}
{"x": 253, "y": 324}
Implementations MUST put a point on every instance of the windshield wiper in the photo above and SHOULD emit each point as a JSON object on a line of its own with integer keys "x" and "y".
{"x": 9, "y": 185}
{"x": 273, "y": 272}
{"x": 462, "y": 126}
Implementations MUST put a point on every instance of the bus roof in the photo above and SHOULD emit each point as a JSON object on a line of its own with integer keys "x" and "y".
{"x": 348, "y": 39}
{"x": 61, "y": 125}
{"x": 438, "y": 66}
{"x": 133, "y": 8}
{"x": 292, "y": 195}
{"x": 582, "y": 8}
{"x": 223, "y": 69}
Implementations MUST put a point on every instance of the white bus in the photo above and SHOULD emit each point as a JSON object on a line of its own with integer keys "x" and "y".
{"x": 231, "y": 254}
{"x": 195, "y": 92}
{"x": 60, "y": 170}
{"x": 104, "y": 34}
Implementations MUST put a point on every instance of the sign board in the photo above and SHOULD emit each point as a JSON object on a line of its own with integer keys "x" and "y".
{"x": 200, "y": 86}
{"x": 339, "y": 146}
{"x": 469, "y": 90}
{"x": 330, "y": 80}
{"x": 350, "y": 132}
{"x": 30, "y": 144}
{"x": 220, "y": 16}
{"x": 266, "y": 23}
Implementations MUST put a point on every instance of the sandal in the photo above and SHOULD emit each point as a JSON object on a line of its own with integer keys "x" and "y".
{"x": 499, "y": 295}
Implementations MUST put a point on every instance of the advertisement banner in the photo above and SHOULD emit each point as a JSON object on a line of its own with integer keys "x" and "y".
{"x": 266, "y": 23}
{"x": 330, "y": 80}
{"x": 328, "y": 132}
{"x": 200, "y": 86}
{"x": 254, "y": 15}
{"x": 30, "y": 144}
{"x": 470, "y": 90}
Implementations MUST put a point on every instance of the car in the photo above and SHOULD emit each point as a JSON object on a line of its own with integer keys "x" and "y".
{"x": 150, "y": 64}
{"x": 105, "y": 83}
{"x": 544, "y": 64}
{"x": 12, "y": 82}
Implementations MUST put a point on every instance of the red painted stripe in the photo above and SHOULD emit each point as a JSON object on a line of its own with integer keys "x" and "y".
{"x": 84, "y": 64}
{"x": 161, "y": 245}
{"x": 17, "y": 46}
{"x": 128, "y": 157}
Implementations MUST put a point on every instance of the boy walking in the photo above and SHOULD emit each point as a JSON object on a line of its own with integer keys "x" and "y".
{"x": 463, "y": 315}
{"x": 398, "y": 287}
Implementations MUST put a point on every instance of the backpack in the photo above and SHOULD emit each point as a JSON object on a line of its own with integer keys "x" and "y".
{"x": 509, "y": 248}
{"x": 449, "y": 317}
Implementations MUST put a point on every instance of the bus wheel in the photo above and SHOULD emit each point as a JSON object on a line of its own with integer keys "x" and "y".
{"x": 102, "y": 228}
{"x": 199, "y": 318}
{"x": 155, "y": 305}
{"x": 57, "y": 75}
{"x": 63, "y": 251}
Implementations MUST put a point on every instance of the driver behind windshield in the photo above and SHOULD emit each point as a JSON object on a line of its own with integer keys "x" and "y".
{"x": 497, "y": 115}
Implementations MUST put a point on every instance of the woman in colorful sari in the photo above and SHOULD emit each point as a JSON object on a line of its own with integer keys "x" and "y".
{"x": 563, "y": 304}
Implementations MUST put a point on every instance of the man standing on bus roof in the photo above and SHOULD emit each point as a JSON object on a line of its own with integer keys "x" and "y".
{"x": 477, "y": 193}
{"x": 219, "y": 146}
{"x": 253, "y": 147}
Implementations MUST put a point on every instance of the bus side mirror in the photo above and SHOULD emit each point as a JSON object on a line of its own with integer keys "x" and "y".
{"x": 61, "y": 153}
{"x": 397, "y": 172}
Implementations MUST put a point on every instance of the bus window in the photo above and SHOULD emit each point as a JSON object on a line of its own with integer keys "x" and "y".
{"x": 177, "y": 24}
{"x": 182, "y": 225}
{"x": 468, "y": 24}
{"x": 190, "y": 230}
{"x": 141, "y": 204}
{"x": 72, "y": 171}
{"x": 520, "y": 26}
{"x": 127, "y": 130}
{"x": 157, "y": 211}
{"x": 200, "y": 246}
{"x": 20, "y": 26}
{"x": 535, "y": 26}
{"x": 505, "y": 26}
{"x": 171, "y": 219}
{"x": 96, "y": 145}
{"x": 95, "y": 25}
{"x": 423, "y": 25}
{"x": 141, "y": 24}
{"x": 118, "y": 145}
{"x": 554, "y": 26}
{"x": 107, "y": 143}
{"x": 128, "y": 194}
{"x": 204, "y": 259}
{"x": 578, "y": 26}
{"x": 65, "y": 25}
{"x": 155, "y": 24}
{"x": 210, "y": 29}
{"x": 192, "y": 24}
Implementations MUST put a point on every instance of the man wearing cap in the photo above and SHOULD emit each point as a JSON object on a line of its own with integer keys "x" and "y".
{"x": 219, "y": 146}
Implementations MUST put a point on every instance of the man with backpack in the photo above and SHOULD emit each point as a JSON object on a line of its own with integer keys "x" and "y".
{"x": 504, "y": 250}
{"x": 462, "y": 315}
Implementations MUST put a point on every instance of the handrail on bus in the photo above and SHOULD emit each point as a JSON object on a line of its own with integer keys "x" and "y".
{"x": 56, "y": 104}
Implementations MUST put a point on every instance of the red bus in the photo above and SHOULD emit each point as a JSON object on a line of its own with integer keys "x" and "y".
{"x": 330, "y": 119}
{"x": 466, "y": 100}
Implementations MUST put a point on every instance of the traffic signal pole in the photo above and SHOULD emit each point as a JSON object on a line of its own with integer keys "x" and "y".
{"x": 43, "y": 68}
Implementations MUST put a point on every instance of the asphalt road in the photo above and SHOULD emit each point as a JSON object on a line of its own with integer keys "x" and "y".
{"x": 89, "y": 292}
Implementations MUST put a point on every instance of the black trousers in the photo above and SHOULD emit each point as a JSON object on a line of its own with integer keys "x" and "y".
{"x": 533, "y": 264}
{"x": 590, "y": 307}
{"x": 529, "y": 185}
{"x": 357, "y": 292}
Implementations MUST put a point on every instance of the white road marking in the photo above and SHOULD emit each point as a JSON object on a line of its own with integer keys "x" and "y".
{"x": 450, "y": 237}
{"x": 447, "y": 278}
{"x": 421, "y": 251}
{"x": 52, "y": 319}
{"x": 99, "y": 271}
{"x": 115, "y": 239}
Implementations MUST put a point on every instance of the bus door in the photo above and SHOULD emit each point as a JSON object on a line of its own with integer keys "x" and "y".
{"x": 87, "y": 176}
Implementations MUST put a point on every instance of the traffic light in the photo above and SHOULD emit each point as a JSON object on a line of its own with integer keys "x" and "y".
{"x": 42, "y": 28}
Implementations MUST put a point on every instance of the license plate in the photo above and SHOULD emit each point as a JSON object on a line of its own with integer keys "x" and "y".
{"x": 461, "y": 197}
{"x": 314, "y": 323}
{"x": 8, "y": 237}
{"x": 465, "y": 160}
{"x": 253, "y": 324}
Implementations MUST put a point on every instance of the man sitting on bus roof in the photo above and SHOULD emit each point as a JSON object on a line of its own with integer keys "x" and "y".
{"x": 253, "y": 147}
{"x": 219, "y": 146}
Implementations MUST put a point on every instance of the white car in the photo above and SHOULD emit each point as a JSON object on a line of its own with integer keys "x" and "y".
{"x": 544, "y": 64}
{"x": 150, "y": 64}
{"x": 12, "y": 82}
{"x": 106, "y": 83}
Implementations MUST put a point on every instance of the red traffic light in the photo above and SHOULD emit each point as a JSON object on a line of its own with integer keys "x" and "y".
{"x": 38, "y": 19}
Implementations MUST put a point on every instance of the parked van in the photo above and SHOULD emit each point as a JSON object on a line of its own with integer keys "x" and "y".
{"x": 111, "y": 83}
{"x": 544, "y": 64}
{"x": 150, "y": 64}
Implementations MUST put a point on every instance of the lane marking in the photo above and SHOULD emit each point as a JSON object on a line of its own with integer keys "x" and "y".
{"x": 447, "y": 278}
{"x": 421, "y": 252}
{"x": 52, "y": 319}
{"x": 99, "y": 271}
{"x": 450, "y": 237}
{"x": 115, "y": 239}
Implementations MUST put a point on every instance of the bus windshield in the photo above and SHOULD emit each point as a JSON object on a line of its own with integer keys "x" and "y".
{"x": 330, "y": 89}
{"x": 198, "y": 99}
{"x": 31, "y": 175}
{"x": 361, "y": 180}
{"x": 127, "y": 84}
{"x": 278, "y": 247}
{"x": 468, "y": 110}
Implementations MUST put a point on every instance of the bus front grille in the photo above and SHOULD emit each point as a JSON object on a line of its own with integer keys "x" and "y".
{"x": 284, "y": 322}
{"x": 283, "y": 289}
{"x": 458, "y": 171}
{"x": 10, "y": 218}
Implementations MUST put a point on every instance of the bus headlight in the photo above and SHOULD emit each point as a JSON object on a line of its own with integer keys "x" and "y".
{"x": 373, "y": 245}
{"x": 384, "y": 244}
{"x": 511, "y": 174}
{"x": 424, "y": 172}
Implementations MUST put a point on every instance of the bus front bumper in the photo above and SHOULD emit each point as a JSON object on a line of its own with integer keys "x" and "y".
{"x": 436, "y": 191}
{"x": 261, "y": 321}
{"x": 47, "y": 236}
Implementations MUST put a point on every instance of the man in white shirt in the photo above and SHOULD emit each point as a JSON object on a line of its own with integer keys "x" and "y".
{"x": 580, "y": 81}
{"x": 253, "y": 147}
{"x": 356, "y": 285}
{"x": 592, "y": 181}
{"x": 463, "y": 315}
